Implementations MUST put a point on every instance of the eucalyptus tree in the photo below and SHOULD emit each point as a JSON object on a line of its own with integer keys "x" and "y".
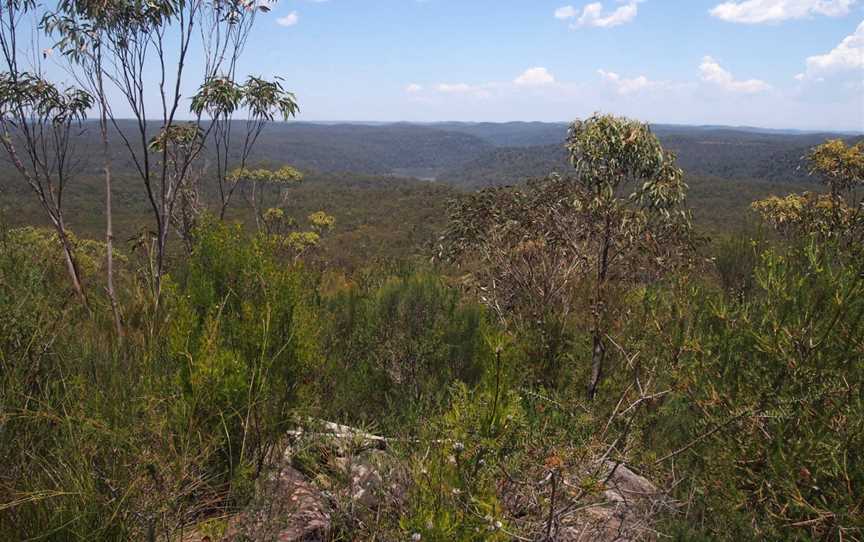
{"x": 837, "y": 214}
{"x": 37, "y": 119}
{"x": 521, "y": 248}
{"x": 262, "y": 101}
{"x": 635, "y": 195}
{"x": 257, "y": 182}
{"x": 85, "y": 49}
{"x": 144, "y": 50}
{"x": 618, "y": 219}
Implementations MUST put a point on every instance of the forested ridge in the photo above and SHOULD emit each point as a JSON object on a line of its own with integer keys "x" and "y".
{"x": 726, "y": 168}
{"x": 222, "y": 324}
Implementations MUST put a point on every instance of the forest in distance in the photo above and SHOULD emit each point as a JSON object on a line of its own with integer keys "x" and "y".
{"x": 376, "y": 177}
{"x": 219, "y": 323}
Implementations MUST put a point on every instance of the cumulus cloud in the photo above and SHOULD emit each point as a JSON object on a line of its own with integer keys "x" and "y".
{"x": 770, "y": 11}
{"x": 289, "y": 20}
{"x": 595, "y": 15}
{"x": 566, "y": 12}
{"x": 623, "y": 85}
{"x": 535, "y": 77}
{"x": 713, "y": 73}
{"x": 413, "y": 88}
{"x": 847, "y": 56}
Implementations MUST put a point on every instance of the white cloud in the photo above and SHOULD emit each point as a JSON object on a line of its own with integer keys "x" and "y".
{"x": 453, "y": 88}
{"x": 413, "y": 88}
{"x": 477, "y": 91}
{"x": 623, "y": 85}
{"x": 712, "y": 72}
{"x": 535, "y": 77}
{"x": 594, "y": 15}
{"x": 566, "y": 12}
{"x": 289, "y": 20}
{"x": 770, "y": 11}
{"x": 847, "y": 56}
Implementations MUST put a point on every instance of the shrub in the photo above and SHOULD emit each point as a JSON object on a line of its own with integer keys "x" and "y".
{"x": 398, "y": 342}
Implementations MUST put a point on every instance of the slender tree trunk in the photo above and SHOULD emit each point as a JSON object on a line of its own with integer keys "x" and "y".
{"x": 109, "y": 227}
{"x": 71, "y": 263}
{"x": 598, "y": 358}
{"x": 161, "y": 245}
{"x": 109, "y": 221}
{"x": 109, "y": 244}
{"x": 55, "y": 213}
{"x": 598, "y": 350}
{"x": 256, "y": 208}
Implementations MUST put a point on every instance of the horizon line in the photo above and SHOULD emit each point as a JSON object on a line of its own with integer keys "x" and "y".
{"x": 851, "y": 132}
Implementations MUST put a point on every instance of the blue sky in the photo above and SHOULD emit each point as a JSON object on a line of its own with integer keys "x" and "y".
{"x": 768, "y": 63}
{"x": 679, "y": 61}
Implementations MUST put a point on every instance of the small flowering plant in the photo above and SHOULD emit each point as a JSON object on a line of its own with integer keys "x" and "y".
{"x": 454, "y": 495}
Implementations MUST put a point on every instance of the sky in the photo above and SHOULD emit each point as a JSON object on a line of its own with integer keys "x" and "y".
{"x": 767, "y": 63}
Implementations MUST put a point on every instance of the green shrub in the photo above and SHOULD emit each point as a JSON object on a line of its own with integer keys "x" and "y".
{"x": 768, "y": 412}
{"x": 454, "y": 494}
{"x": 135, "y": 439}
{"x": 394, "y": 345}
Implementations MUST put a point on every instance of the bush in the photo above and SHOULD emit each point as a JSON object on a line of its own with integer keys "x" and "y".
{"x": 395, "y": 343}
{"x": 131, "y": 440}
{"x": 767, "y": 413}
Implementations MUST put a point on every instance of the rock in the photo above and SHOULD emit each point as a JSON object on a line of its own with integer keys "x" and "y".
{"x": 623, "y": 509}
{"x": 287, "y": 508}
{"x": 626, "y": 514}
{"x": 341, "y": 438}
{"x": 373, "y": 478}
{"x": 629, "y": 485}
{"x": 329, "y": 471}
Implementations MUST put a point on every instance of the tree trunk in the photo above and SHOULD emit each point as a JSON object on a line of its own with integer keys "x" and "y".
{"x": 161, "y": 246}
{"x": 598, "y": 357}
{"x": 109, "y": 249}
{"x": 109, "y": 224}
{"x": 256, "y": 208}
{"x": 55, "y": 214}
{"x": 71, "y": 263}
{"x": 598, "y": 350}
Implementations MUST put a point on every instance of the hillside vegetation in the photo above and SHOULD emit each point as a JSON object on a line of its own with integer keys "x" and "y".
{"x": 726, "y": 169}
{"x": 732, "y": 382}
{"x": 216, "y": 325}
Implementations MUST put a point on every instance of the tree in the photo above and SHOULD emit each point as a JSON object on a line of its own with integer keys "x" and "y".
{"x": 257, "y": 181}
{"x": 635, "y": 194}
{"x": 619, "y": 219}
{"x": 838, "y": 214}
{"x": 522, "y": 249}
{"x": 88, "y": 54}
{"x": 285, "y": 234}
{"x": 37, "y": 118}
{"x": 263, "y": 101}
{"x": 143, "y": 46}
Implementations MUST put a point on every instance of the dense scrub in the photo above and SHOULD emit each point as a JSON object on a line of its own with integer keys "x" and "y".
{"x": 731, "y": 370}
{"x": 751, "y": 410}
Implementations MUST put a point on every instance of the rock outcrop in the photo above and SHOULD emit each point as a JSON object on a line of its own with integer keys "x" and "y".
{"x": 626, "y": 512}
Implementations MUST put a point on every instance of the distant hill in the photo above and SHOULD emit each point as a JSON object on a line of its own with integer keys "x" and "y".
{"x": 702, "y": 151}
{"x": 531, "y": 134}
{"x": 390, "y": 149}
{"x": 367, "y": 175}
{"x": 510, "y": 134}
{"x": 367, "y": 149}
{"x": 472, "y": 155}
